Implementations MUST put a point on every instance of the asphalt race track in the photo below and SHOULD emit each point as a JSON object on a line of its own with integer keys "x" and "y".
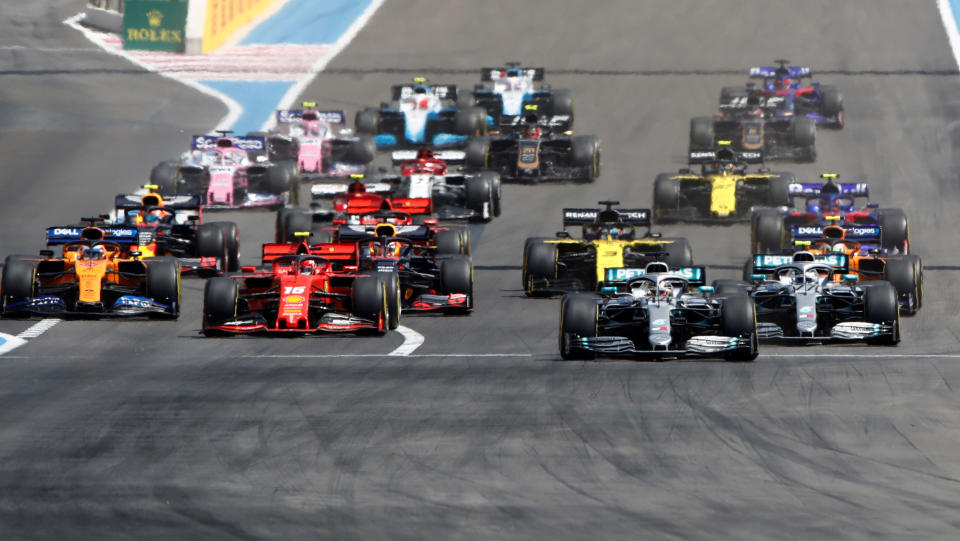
{"x": 146, "y": 430}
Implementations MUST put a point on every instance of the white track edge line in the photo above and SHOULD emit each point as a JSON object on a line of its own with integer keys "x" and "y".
{"x": 13, "y": 342}
{"x": 950, "y": 25}
{"x": 234, "y": 109}
{"x": 411, "y": 341}
{"x": 288, "y": 98}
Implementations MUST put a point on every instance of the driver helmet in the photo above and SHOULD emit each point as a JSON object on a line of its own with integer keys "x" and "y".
{"x": 93, "y": 253}
{"x": 308, "y": 267}
{"x": 357, "y": 186}
{"x": 531, "y": 131}
{"x": 424, "y": 154}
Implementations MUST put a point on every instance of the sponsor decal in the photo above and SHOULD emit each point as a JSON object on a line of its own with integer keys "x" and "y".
{"x": 809, "y": 230}
{"x": 659, "y": 322}
{"x": 293, "y": 299}
{"x": 806, "y": 309}
{"x": 154, "y": 25}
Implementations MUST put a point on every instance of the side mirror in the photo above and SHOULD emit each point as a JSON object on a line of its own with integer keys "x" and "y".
{"x": 563, "y": 235}
{"x": 706, "y": 289}
{"x": 193, "y": 218}
{"x": 758, "y": 277}
{"x": 684, "y": 171}
{"x": 261, "y": 159}
{"x": 47, "y": 254}
{"x": 135, "y": 254}
{"x": 608, "y": 290}
{"x": 656, "y": 235}
{"x": 851, "y": 278}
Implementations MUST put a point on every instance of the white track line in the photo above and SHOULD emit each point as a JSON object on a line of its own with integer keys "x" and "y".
{"x": 291, "y": 95}
{"x": 351, "y": 355}
{"x": 9, "y": 343}
{"x": 234, "y": 109}
{"x": 950, "y": 24}
{"x": 411, "y": 341}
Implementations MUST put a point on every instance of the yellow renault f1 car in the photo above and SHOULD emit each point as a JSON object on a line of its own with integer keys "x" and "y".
{"x": 722, "y": 192}
{"x": 609, "y": 240}
{"x": 92, "y": 277}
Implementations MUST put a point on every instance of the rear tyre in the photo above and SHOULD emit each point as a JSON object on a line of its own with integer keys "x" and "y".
{"x": 768, "y": 231}
{"x": 17, "y": 285}
{"x": 220, "y": 298}
{"x": 296, "y": 221}
{"x": 278, "y": 180}
{"x": 906, "y": 277}
{"x": 586, "y": 154}
{"x": 578, "y": 318}
{"x": 895, "y": 230}
{"x": 212, "y": 243}
{"x": 163, "y": 285}
{"x": 701, "y": 133}
{"x": 539, "y": 262}
{"x": 370, "y": 302}
{"x": 479, "y": 198}
{"x": 363, "y": 150}
{"x": 831, "y": 105}
{"x": 164, "y": 176}
{"x": 471, "y": 121}
{"x": 666, "y": 197}
{"x": 368, "y": 121}
{"x": 739, "y": 319}
{"x": 778, "y": 194}
{"x": 450, "y": 242}
{"x": 477, "y": 153}
{"x": 880, "y": 306}
{"x": 231, "y": 236}
{"x": 679, "y": 253}
{"x": 496, "y": 190}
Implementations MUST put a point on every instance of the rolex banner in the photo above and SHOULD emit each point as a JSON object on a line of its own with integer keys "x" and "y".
{"x": 156, "y": 25}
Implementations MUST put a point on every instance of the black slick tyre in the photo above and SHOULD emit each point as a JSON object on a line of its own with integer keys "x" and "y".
{"x": 369, "y": 296}
{"x": 539, "y": 262}
{"x": 739, "y": 319}
{"x": 163, "y": 285}
{"x": 17, "y": 285}
{"x": 579, "y": 314}
{"x": 211, "y": 243}
{"x": 881, "y": 306}
{"x": 220, "y": 299}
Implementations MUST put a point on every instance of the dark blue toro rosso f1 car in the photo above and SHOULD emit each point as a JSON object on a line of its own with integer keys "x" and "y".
{"x": 821, "y": 103}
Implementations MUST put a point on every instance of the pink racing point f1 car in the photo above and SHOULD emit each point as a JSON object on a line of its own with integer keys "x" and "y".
{"x": 319, "y": 143}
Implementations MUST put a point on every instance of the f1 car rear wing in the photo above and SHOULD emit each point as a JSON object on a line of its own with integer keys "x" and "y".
{"x": 851, "y": 189}
{"x": 713, "y": 156}
{"x": 449, "y": 156}
{"x": 742, "y": 103}
{"x": 320, "y": 191}
{"x": 177, "y": 202}
{"x": 207, "y": 142}
{"x": 289, "y": 116}
{"x": 767, "y": 263}
{"x": 626, "y": 217}
{"x": 67, "y": 234}
{"x": 853, "y": 233}
{"x": 496, "y": 74}
{"x": 695, "y": 276}
{"x": 765, "y": 72}
{"x": 444, "y": 92}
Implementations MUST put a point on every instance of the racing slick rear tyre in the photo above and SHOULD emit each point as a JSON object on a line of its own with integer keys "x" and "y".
{"x": 701, "y": 133}
{"x": 480, "y": 198}
{"x": 466, "y": 240}
{"x": 220, "y": 298}
{"x": 450, "y": 242}
{"x": 17, "y": 284}
{"x": 895, "y": 228}
{"x": 880, "y": 306}
{"x": 164, "y": 177}
{"x": 231, "y": 236}
{"x": 831, "y": 105}
{"x": 465, "y": 98}
{"x": 369, "y": 295}
{"x": 578, "y": 317}
{"x": 906, "y": 276}
{"x": 163, "y": 285}
{"x": 471, "y": 121}
{"x": 666, "y": 197}
{"x": 296, "y": 221}
{"x": 456, "y": 276}
{"x": 477, "y": 153}
{"x": 539, "y": 261}
{"x": 211, "y": 242}
{"x": 368, "y": 121}
{"x": 739, "y": 318}
{"x": 391, "y": 283}
{"x": 363, "y": 150}
{"x": 778, "y": 194}
{"x": 586, "y": 154}
{"x": 803, "y": 136}
{"x": 679, "y": 253}
{"x": 727, "y": 287}
{"x": 496, "y": 190}
{"x": 767, "y": 232}
{"x": 563, "y": 104}
{"x": 278, "y": 180}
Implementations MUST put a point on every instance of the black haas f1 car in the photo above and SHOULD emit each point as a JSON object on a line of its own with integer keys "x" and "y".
{"x": 425, "y": 187}
{"x": 608, "y": 240}
{"x": 825, "y": 204}
{"x": 657, "y": 312}
{"x": 536, "y": 154}
{"x": 723, "y": 191}
{"x": 173, "y": 226}
{"x": 758, "y": 122}
{"x": 432, "y": 264}
{"x": 299, "y": 293}
{"x": 507, "y": 93}
{"x": 813, "y": 298}
{"x": 94, "y": 276}
{"x": 227, "y": 172}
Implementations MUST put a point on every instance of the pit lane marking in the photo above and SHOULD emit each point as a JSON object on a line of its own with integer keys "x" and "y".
{"x": 411, "y": 341}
